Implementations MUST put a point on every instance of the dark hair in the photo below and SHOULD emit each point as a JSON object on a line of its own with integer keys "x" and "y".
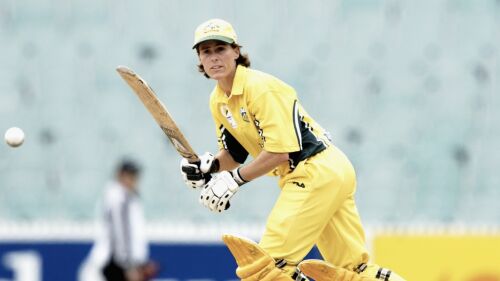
{"x": 129, "y": 167}
{"x": 243, "y": 59}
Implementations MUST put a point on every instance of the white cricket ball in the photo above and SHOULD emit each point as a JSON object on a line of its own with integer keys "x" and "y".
{"x": 14, "y": 137}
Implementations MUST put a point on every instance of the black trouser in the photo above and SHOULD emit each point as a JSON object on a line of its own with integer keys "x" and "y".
{"x": 113, "y": 272}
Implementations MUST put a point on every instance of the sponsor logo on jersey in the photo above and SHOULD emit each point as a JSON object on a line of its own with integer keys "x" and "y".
{"x": 299, "y": 184}
{"x": 229, "y": 116}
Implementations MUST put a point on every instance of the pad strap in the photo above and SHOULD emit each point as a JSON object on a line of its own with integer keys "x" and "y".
{"x": 299, "y": 276}
{"x": 383, "y": 274}
{"x": 360, "y": 268}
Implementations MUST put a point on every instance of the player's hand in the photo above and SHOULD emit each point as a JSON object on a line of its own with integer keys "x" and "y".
{"x": 198, "y": 174}
{"x": 220, "y": 189}
{"x": 144, "y": 272}
{"x": 149, "y": 270}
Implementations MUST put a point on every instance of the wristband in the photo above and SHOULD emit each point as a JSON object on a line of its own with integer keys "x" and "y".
{"x": 237, "y": 177}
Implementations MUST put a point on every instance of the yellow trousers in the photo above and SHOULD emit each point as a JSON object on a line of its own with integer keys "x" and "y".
{"x": 316, "y": 207}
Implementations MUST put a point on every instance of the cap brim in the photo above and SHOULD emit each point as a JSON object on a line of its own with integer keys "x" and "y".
{"x": 214, "y": 37}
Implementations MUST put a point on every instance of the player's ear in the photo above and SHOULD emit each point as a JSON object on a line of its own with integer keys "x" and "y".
{"x": 198, "y": 55}
{"x": 237, "y": 51}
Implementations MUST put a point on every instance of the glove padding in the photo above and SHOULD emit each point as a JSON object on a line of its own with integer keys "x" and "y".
{"x": 218, "y": 191}
{"x": 198, "y": 174}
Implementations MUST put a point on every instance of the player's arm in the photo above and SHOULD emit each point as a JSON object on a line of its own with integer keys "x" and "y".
{"x": 231, "y": 155}
{"x": 226, "y": 161}
{"x": 264, "y": 163}
{"x": 221, "y": 188}
{"x": 277, "y": 120}
{"x": 217, "y": 193}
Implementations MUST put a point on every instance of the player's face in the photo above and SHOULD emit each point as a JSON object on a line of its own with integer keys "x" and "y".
{"x": 218, "y": 59}
{"x": 129, "y": 180}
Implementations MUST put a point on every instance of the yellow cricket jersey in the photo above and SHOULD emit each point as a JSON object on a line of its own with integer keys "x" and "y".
{"x": 263, "y": 113}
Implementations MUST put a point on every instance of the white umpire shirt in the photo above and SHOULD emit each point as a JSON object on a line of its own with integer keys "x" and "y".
{"x": 121, "y": 233}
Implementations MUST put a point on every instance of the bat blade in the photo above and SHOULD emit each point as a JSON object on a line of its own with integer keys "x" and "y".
{"x": 159, "y": 112}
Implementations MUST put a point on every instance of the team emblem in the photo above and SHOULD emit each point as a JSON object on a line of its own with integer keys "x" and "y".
{"x": 244, "y": 115}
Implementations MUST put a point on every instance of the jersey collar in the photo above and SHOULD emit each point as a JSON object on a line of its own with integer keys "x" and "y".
{"x": 240, "y": 78}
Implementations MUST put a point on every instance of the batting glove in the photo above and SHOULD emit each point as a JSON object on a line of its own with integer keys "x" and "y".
{"x": 198, "y": 174}
{"x": 220, "y": 189}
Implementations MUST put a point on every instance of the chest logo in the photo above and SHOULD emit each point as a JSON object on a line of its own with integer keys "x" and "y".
{"x": 244, "y": 115}
{"x": 229, "y": 116}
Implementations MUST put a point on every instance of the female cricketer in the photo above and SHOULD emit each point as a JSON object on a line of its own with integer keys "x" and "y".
{"x": 258, "y": 114}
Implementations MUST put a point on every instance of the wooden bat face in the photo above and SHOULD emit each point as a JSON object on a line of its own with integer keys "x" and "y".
{"x": 159, "y": 112}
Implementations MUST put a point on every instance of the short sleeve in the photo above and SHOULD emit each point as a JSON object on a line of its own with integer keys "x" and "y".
{"x": 276, "y": 118}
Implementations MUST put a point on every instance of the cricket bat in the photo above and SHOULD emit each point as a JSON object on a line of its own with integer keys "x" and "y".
{"x": 159, "y": 112}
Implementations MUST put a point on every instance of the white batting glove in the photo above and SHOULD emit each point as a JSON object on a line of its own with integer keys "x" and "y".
{"x": 220, "y": 189}
{"x": 198, "y": 174}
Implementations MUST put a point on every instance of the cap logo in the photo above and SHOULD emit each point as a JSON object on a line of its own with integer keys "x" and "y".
{"x": 211, "y": 27}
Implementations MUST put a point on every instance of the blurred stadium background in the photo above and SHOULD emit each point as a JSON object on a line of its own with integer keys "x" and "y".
{"x": 410, "y": 90}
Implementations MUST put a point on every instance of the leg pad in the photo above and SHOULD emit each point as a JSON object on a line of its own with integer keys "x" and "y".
{"x": 254, "y": 264}
{"x": 322, "y": 271}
